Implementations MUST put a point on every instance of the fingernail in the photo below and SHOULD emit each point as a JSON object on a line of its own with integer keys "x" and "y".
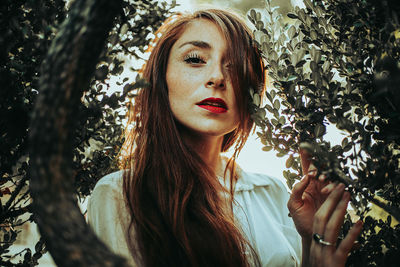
{"x": 340, "y": 186}
{"x": 322, "y": 178}
{"x": 346, "y": 196}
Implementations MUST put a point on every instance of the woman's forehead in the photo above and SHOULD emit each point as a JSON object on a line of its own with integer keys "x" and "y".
{"x": 203, "y": 30}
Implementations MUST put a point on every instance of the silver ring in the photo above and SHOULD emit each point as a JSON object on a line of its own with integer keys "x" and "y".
{"x": 320, "y": 240}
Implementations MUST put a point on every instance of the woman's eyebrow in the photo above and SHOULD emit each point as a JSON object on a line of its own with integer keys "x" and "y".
{"x": 200, "y": 44}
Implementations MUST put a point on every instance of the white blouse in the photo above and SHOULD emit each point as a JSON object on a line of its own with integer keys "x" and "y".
{"x": 260, "y": 208}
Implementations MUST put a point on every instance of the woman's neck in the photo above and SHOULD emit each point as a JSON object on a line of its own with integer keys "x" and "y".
{"x": 209, "y": 149}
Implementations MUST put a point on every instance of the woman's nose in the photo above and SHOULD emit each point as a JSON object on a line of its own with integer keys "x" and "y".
{"x": 216, "y": 78}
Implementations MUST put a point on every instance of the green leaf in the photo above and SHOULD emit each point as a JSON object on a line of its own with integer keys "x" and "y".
{"x": 314, "y": 66}
{"x": 289, "y": 161}
{"x": 269, "y": 108}
{"x": 273, "y": 94}
{"x": 101, "y": 73}
{"x": 309, "y": 4}
{"x": 277, "y": 104}
{"x": 313, "y": 35}
{"x": 258, "y": 16}
{"x": 251, "y": 91}
{"x": 267, "y": 148}
{"x": 348, "y": 147}
{"x": 124, "y": 28}
{"x": 280, "y": 154}
{"x": 300, "y": 63}
{"x": 291, "y": 32}
{"x": 256, "y": 99}
{"x": 319, "y": 130}
{"x": 262, "y": 113}
{"x": 253, "y": 14}
{"x": 326, "y": 66}
{"x": 286, "y": 174}
{"x": 260, "y": 25}
{"x": 269, "y": 96}
{"x": 282, "y": 120}
{"x": 345, "y": 141}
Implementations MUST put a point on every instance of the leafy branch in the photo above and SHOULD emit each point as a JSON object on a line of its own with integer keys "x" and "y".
{"x": 335, "y": 64}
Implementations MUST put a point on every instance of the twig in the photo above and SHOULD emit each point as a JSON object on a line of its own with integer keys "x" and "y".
{"x": 15, "y": 213}
{"x": 15, "y": 193}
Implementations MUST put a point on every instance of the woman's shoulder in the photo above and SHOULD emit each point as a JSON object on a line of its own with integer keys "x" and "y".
{"x": 113, "y": 180}
{"x": 251, "y": 180}
{"x": 108, "y": 188}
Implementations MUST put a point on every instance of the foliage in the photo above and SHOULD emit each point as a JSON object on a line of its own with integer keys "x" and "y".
{"x": 241, "y": 6}
{"x": 337, "y": 63}
{"x": 27, "y": 28}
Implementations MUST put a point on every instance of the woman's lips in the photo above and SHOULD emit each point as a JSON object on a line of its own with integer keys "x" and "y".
{"x": 213, "y": 109}
{"x": 214, "y": 105}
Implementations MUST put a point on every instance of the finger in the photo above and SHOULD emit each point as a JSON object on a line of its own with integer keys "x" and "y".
{"x": 314, "y": 191}
{"x": 326, "y": 209}
{"x": 295, "y": 200}
{"x": 298, "y": 188}
{"x": 336, "y": 220}
{"x": 320, "y": 219}
{"x": 305, "y": 158}
{"x": 322, "y": 178}
{"x": 328, "y": 188}
{"x": 321, "y": 182}
{"x": 315, "y": 254}
{"x": 347, "y": 243}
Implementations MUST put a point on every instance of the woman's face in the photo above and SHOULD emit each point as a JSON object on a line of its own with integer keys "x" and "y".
{"x": 200, "y": 91}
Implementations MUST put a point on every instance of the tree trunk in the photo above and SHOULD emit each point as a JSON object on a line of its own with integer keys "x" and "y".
{"x": 66, "y": 72}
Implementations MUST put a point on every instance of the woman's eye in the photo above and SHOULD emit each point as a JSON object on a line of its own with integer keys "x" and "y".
{"x": 194, "y": 59}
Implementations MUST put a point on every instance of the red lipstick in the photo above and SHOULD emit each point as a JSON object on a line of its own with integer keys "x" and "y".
{"x": 214, "y": 105}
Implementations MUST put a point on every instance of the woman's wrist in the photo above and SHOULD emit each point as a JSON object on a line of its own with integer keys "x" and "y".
{"x": 305, "y": 256}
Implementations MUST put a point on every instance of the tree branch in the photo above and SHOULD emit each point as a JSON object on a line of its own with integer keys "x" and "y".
{"x": 67, "y": 70}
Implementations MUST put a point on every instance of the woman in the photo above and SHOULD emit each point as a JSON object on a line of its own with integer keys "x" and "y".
{"x": 180, "y": 203}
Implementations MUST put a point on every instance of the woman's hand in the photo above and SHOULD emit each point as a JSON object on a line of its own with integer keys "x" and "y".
{"x": 327, "y": 223}
{"x": 318, "y": 207}
{"x": 306, "y": 198}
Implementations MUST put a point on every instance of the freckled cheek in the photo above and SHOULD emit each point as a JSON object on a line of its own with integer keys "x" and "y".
{"x": 180, "y": 86}
{"x": 178, "y": 98}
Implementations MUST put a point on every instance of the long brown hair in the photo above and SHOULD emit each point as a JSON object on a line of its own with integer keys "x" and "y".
{"x": 175, "y": 202}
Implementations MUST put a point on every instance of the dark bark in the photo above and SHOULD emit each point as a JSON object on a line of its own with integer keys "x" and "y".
{"x": 66, "y": 71}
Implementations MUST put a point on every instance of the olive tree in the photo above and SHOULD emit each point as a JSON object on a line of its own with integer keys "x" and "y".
{"x": 337, "y": 63}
